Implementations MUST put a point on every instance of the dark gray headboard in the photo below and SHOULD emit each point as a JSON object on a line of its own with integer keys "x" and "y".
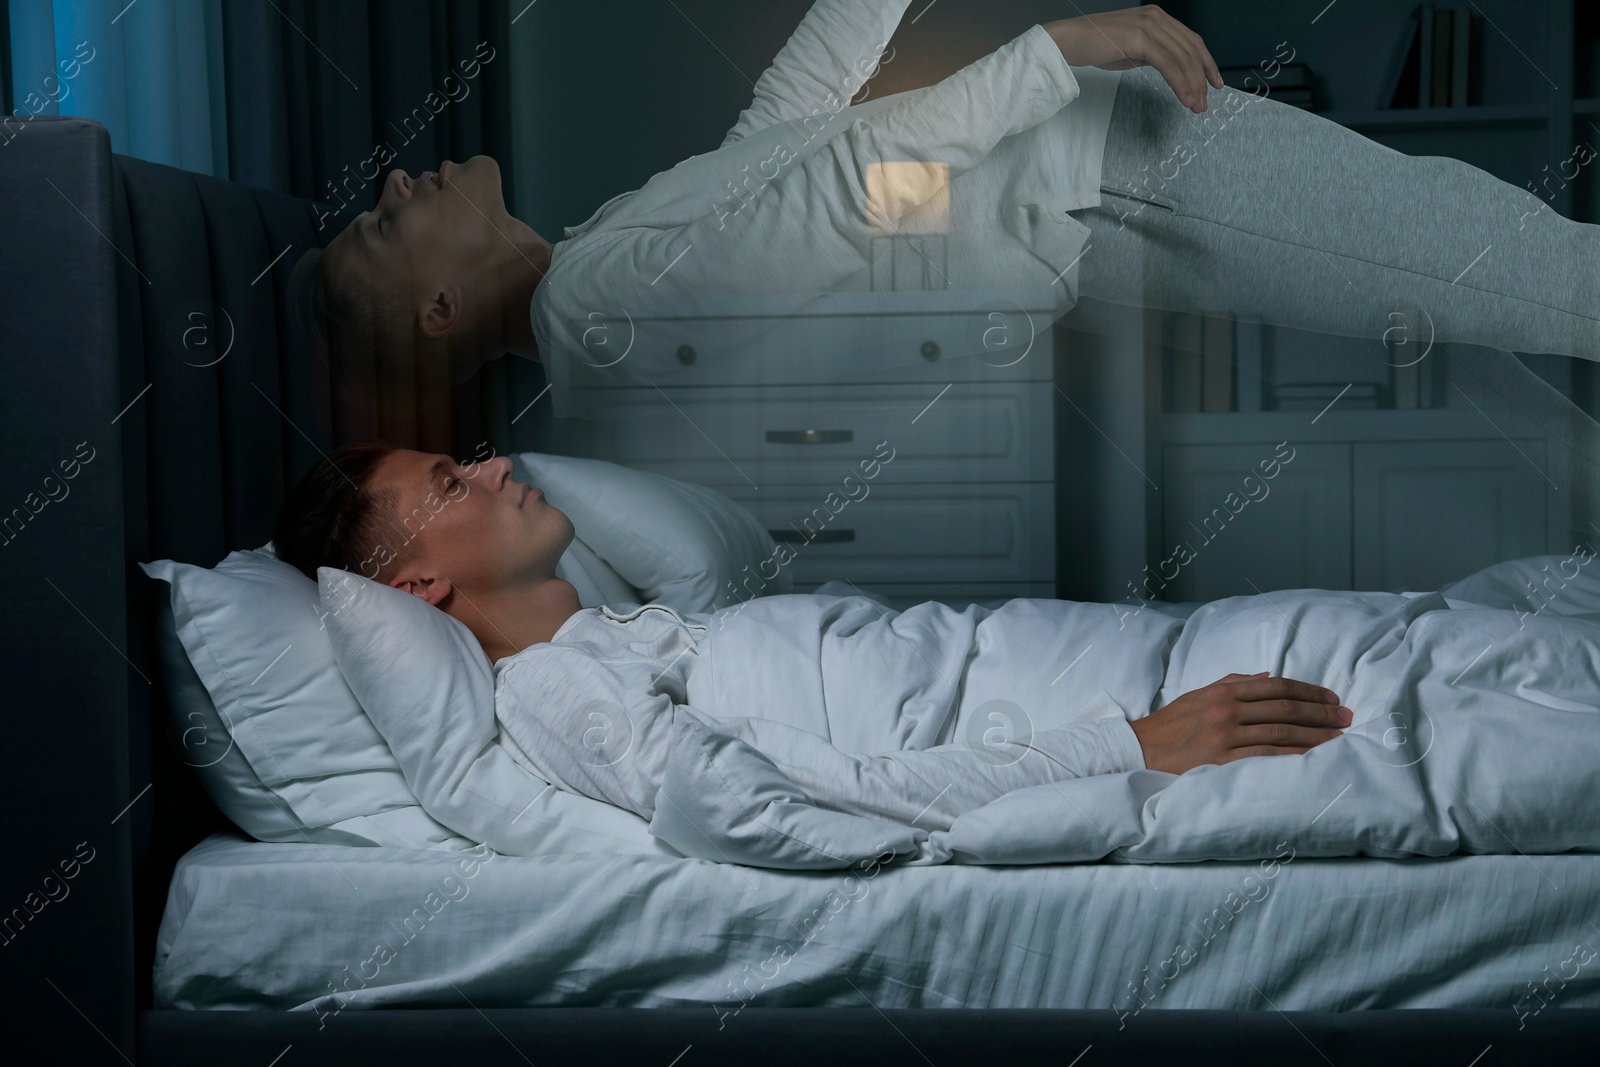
{"x": 126, "y": 279}
{"x": 125, "y": 282}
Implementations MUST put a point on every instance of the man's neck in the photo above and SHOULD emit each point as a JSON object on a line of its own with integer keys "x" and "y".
{"x": 523, "y": 259}
{"x": 509, "y": 620}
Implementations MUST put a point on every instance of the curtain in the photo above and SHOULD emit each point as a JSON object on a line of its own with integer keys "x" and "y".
{"x": 290, "y": 95}
{"x": 306, "y": 97}
{"x": 150, "y": 72}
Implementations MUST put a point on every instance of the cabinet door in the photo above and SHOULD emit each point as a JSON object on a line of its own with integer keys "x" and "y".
{"x": 1429, "y": 512}
{"x": 1240, "y": 531}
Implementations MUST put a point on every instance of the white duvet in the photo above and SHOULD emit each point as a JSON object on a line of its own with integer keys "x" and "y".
{"x": 999, "y": 735}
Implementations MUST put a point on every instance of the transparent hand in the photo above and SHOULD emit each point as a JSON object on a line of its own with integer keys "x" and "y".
{"x": 1141, "y": 37}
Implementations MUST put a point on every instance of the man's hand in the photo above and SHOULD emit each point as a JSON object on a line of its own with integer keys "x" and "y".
{"x": 1237, "y": 716}
{"x": 1141, "y": 37}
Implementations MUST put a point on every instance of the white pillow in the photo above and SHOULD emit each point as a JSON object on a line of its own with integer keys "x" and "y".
{"x": 679, "y": 544}
{"x": 429, "y": 687}
{"x": 263, "y": 715}
{"x": 1555, "y": 584}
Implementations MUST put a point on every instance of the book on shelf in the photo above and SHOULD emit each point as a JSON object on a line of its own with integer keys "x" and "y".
{"x": 1181, "y": 361}
{"x": 1198, "y": 360}
{"x": 1217, "y": 356}
{"x": 1460, "y": 57}
{"x": 1413, "y": 384}
{"x": 1432, "y": 65}
{"x": 1411, "y": 359}
{"x": 1439, "y": 92}
{"x": 1249, "y": 348}
{"x": 1407, "y": 386}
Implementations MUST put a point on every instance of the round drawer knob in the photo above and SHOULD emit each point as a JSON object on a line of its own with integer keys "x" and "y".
{"x": 686, "y": 354}
{"x": 930, "y": 350}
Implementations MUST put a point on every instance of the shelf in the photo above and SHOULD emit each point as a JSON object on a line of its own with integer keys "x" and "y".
{"x": 1383, "y": 424}
{"x": 1444, "y": 117}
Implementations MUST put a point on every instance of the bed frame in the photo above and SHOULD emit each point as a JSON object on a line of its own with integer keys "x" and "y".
{"x": 107, "y": 259}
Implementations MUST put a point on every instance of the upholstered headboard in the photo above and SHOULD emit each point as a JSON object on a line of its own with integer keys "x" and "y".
{"x": 153, "y": 407}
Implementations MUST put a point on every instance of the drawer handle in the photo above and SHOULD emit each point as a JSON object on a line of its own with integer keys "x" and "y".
{"x": 825, "y": 536}
{"x": 809, "y": 437}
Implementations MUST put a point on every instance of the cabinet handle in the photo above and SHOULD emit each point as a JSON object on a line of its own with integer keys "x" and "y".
{"x": 809, "y": 437}
{"x": 825, "y": 536}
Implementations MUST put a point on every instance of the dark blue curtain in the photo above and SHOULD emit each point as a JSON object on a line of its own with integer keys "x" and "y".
{"x": 314, "y": 98}
{"x": 320, "y": 91}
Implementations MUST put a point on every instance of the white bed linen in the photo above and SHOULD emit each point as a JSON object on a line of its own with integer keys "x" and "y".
{"x": 1475, "y": 730}
{"x": 278, "y": 926}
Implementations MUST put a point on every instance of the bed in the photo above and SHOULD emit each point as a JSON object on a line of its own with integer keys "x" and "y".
{"x": 170, "y": 909}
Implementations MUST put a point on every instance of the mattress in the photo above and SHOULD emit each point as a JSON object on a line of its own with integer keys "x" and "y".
{"x": 251, "y": 925}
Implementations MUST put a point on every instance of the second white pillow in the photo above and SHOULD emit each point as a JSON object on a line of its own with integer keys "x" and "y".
{"x": 678, "y": 543}
{"x": 428, "y": 686}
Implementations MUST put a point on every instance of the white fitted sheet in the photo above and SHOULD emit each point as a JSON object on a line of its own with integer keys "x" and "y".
{"x": 278, "y": 926}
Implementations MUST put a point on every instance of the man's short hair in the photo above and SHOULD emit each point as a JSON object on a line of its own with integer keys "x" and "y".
{"x": 332, "y": 517}
{"x": 360, "y": 332}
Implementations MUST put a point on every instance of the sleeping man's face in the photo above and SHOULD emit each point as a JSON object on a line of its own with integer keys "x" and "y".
{"x": 419, "y": 255}
{"x": 474, "y": 529}
{"x": 426, "y": 228}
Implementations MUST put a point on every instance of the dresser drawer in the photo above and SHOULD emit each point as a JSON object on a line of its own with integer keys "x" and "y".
{"x": 786, "y": 435}
{"x": 978, "y": 533}
{"x": 843, "y": 338}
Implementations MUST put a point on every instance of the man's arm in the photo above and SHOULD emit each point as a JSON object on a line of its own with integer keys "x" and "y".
{"x": 831, "y": 54}
{"x": 807, "y": 224}
{"x": 1141, "y": 37}
{"x": 607, "y": 732}
{"x": 838, "y": 45}
{"x": 929, "y": 788}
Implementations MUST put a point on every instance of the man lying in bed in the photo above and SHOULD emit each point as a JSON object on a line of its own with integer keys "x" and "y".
{"x": 589, "y": 698}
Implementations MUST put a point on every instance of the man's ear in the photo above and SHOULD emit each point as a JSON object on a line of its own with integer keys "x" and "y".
{"x": 433, "y": 590}
{"x": 443, "y": 312}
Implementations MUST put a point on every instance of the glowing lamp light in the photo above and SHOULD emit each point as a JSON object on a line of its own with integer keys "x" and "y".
{"x": 908, "y": 198}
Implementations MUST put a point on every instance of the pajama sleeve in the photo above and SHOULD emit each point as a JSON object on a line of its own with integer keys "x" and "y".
{"x": 605, "y": 731}
{"x": 861, "y": 183}
{"x": 929, "y": 788}
{"x": 833, "y": 51}
{"x": 800, "y": 222}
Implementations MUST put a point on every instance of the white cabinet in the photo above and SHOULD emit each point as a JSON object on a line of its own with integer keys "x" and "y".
{"x": 1365, "y": 514}
{"x": 1433, "y": 511}
{"x": 961, "y": 501}
{"x": 1229, "y": 529}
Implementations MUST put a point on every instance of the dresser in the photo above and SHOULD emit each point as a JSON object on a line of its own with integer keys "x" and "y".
{"x": 901, "y": 441}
